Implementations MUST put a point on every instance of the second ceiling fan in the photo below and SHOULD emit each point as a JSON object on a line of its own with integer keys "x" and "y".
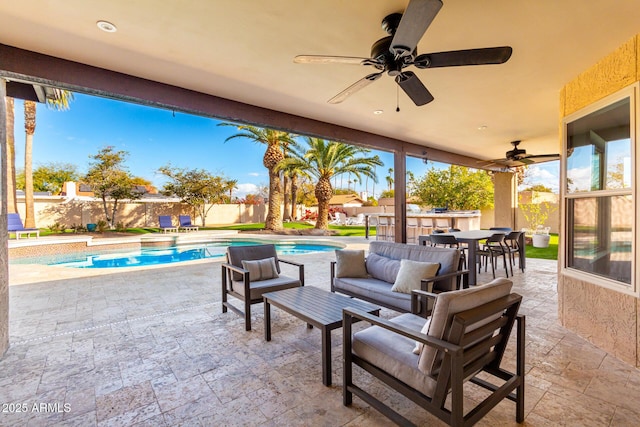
{"x": 394, "y": 53}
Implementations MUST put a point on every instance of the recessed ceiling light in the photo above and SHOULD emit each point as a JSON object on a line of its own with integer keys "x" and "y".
{"x": 106, "y": 26}
{"x": 482, "y": 127}
{"x": 377, "y": 112}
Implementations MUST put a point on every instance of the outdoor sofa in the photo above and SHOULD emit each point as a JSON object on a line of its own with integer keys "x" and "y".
{"x": 375, "y": 278}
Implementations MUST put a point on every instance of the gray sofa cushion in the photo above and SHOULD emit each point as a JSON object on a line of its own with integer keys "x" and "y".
{"x": 383, "y": 268}
{"x": 448, "y": 258}
{"x": 393, "y": 353}
{"x": 373, "y": 289}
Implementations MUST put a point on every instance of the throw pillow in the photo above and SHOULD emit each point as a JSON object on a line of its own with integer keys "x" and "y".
{"x": 411, "y": 273}
{"x": 424, "y": 330}
{"x": 383, "y": 268}
{"x": 261, "y": 269}
{"x": 350, "y": 263}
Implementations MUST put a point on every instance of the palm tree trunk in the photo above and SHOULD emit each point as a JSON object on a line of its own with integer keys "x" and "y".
{"x": 287, "y": 199}
{"x": 30, "y": 128}
{"x": 294, "y": 196}
{"x": 273, "y": 221}
{"x": 12, "y": 203}
{"x": 323, "y": 193}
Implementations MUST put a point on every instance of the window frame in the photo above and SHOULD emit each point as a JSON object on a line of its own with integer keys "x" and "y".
{"x": 630, "y": 92}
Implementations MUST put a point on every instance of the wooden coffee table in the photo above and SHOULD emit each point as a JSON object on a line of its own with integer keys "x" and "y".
{"x": 318, "y": 308}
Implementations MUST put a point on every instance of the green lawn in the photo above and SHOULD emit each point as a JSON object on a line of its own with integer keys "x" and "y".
{"x": 545, "y": 253}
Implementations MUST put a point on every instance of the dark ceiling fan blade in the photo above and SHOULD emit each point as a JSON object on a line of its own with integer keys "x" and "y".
{"x": 415, "y": 21}
{"x": 363, "y": 82}
{"x": 456, "y": 58}
{"x": 413, "y": 87}
{"x": 324, "y": 59}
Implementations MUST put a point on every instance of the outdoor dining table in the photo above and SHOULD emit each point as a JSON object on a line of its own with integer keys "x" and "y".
{"x": 471, "y": 238}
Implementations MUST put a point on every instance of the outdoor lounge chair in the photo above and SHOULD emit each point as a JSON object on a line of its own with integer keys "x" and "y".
{"x": 166, "y": 225}
{"x": 429, "y": 360}
{"x": 251, "y": 271}
{"x": 14, "y": 225}
{"x": 185, "y": 223}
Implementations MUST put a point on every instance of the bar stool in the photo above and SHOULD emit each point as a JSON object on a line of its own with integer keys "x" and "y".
{"x": 442, "y": 224}
{"x": 382, "y": 228}
{"x": 412, "y": 230}
{"x": 426, "y": 226}
{"x": 391, "y": 230}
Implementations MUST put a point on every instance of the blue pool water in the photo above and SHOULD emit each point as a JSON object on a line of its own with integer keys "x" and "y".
{"x": 155, "y": 256}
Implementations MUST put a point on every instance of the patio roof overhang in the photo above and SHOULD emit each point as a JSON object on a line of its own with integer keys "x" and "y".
{"x": 243, "y": 51}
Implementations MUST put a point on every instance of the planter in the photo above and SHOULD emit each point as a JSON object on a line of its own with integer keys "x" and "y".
{"x": 91, "y": 227}
{"x": 541, "y": 240}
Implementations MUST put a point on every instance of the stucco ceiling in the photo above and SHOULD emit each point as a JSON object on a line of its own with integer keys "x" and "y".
{"x": 243, "y": 50}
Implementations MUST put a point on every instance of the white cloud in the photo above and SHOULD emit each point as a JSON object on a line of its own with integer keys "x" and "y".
{"x": 580, "y": 178}
{"x": 546, "y": 174}
{"x": 243, "y": 189}
{"x": 254, "y": 174}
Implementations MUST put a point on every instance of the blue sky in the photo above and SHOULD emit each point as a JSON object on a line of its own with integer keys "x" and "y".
{"x": 154, "y": 137}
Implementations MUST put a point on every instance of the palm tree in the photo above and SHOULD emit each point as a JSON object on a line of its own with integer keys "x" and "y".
{"x": 29, "y": 129}
{"x": 59, "y": 101}
{"x": 274, "y": 140}
{"x": 326, "y": 159}
{"x": 231, "y": 184}
{"x": 292, "y": 171}
{"x": 389, "y": 178}
{"x": 12, "y": 204}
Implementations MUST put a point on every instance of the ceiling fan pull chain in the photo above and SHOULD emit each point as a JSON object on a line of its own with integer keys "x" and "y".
{"x": 397, "y": 99}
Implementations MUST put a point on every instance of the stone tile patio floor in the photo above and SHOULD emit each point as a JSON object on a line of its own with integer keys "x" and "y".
{"x": 150, "y": 347}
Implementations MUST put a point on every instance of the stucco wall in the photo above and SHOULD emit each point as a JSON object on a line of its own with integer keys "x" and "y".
{"x": 49, "y": 210}
{"x": 605, "y": 317}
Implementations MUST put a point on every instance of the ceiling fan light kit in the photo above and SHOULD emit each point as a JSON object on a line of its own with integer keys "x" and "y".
{"x": 392, "y": 54}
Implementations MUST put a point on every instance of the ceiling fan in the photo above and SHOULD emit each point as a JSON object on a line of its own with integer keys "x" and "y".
{"x": 394, "y": 53}
{"x": 519, "y": 157}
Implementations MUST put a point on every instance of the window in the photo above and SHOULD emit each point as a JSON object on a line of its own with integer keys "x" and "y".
{"x": 598, "y": 187}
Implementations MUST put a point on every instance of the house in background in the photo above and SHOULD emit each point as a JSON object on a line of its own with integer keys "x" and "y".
{"x": 346, "y": 201}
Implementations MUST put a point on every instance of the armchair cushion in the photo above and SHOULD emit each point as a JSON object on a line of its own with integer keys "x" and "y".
{"x": 269, "y": 285}
{"x": 450, "y": 303}
{"x": 411, "y": 273}
{"x": 350, "y": 263}
{"x": 382, "y": 268}
{"x": 236, "y": 254}
{"x": 261, "y": 269}
{"x": 393, "y": 353}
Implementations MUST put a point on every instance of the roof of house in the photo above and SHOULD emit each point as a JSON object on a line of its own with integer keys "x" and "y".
{"x": 343, "y": 199}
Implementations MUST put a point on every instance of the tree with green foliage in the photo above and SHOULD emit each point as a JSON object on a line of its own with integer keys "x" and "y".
{"x": 197, "y": 188}
{"x": 323, "y": 160}
{"x": 541, "y": 188}
{"x": 50, "y": 177}
{"x": 457, "y": 188}
{"x": 110, "y": 180}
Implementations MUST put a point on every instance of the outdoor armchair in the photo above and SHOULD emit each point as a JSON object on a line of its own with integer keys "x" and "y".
{"x": 428, "y": 360}
{"x": 185, "y": 223}
{"x": 14, "y": 225}
{"x": 166, "y": 225}
{"x": 251, "y": 271}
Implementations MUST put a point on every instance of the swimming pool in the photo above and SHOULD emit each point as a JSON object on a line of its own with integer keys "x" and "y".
{"x": 168, "y": 255}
